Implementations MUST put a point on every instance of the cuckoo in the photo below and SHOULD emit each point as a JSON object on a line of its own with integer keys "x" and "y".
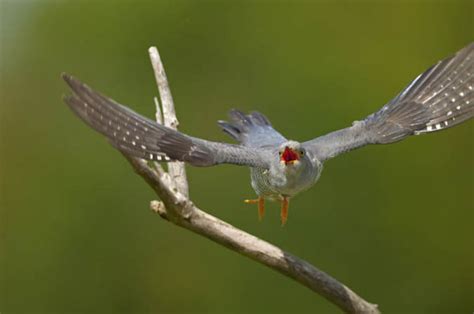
{"x": 439, "y": 98}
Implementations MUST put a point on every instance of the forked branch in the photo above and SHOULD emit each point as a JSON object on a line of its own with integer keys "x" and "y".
{"x": 176, "y": 207}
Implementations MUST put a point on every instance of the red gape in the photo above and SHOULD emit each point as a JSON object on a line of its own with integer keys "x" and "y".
{"x": 289, "y": 155}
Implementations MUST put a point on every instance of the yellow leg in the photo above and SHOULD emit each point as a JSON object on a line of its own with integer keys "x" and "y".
{"x": 285, "y": 202}
{"x": 261, "y": 206}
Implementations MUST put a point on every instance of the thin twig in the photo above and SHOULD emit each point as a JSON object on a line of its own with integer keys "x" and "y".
{"x": 175, "y": 169}
{"x": 158, "y": 115}
{"x": 159, "y": 120}
{"x": 177, "y": 208}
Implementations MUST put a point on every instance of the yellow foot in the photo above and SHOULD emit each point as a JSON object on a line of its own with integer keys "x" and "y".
{"x": 285, "y": 203}
{"x": 261, "y": 206}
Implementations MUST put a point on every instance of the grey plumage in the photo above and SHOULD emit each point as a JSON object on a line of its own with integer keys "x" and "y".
{"x": 141, "y": 137}
{"x": 439, "y": 98}
{"x": 252, "y": 130}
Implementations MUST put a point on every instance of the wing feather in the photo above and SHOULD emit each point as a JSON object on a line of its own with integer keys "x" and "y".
{"x": 141, "y": 137}
{"x": 439, "y": 98}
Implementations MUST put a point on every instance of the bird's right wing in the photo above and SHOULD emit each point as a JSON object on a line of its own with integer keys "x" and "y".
{"x": 439, "y": 98}
{"x": 141, "y": 137}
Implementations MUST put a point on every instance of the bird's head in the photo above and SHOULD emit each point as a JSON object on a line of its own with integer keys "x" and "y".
{"x": 291, "y": 153}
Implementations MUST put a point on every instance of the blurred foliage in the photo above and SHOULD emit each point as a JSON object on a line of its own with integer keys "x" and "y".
{"x": 392, "y": 222}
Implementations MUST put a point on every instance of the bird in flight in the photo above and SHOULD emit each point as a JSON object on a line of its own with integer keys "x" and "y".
{"x": 439, "y": 98}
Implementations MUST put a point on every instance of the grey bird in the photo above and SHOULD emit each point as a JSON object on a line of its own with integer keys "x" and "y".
{"x": 439, "y": 98}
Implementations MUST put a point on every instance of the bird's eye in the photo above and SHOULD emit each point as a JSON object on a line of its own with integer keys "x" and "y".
{"x": 280, "y": 153}
{"x": 301, "y": 153}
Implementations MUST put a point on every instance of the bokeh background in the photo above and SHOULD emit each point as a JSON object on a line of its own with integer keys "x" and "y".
{"x": 395, "y": 223}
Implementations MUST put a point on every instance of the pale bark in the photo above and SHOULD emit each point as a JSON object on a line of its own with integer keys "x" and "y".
{"x": 176, "y": 207}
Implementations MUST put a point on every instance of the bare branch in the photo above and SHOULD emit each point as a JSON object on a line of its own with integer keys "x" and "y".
{"x": 158, "y": 115}
{"x": 176, "y": 207}
{"x": 281, "y": 261}
{"x": 246, "y": 244}
{"x": 175, "y": 169}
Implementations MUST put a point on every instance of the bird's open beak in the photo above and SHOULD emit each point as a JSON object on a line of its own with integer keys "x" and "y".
{"x": 289, "y": 156}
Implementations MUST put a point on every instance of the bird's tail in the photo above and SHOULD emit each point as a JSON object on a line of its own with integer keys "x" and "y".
{"x": 252, "y": 129}
{"x": 242, "y": 124}
{"x": 439, "y": 98}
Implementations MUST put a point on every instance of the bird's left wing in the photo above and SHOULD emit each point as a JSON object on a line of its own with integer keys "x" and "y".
{"x": 439, "y": 98}
{"x": 141, "y": 137}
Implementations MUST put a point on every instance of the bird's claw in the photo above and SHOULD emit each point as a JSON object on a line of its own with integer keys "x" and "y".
{"x": 285, "y": 202}
{"x": 261, "y": 206}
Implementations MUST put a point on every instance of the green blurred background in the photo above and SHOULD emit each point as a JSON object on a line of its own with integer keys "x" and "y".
{"x": 395, "y": 223}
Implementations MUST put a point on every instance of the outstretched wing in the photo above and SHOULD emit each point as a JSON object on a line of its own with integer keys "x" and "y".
{"x": 439, "y": 98}
{"x": 141, "y": 137}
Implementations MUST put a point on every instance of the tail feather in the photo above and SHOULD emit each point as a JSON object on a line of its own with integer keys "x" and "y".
{"x": 259, "y": 119}
{"x": 230, "y": 129}
{"x": 239, "y": 118}
{"x": 252, "y": 129}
